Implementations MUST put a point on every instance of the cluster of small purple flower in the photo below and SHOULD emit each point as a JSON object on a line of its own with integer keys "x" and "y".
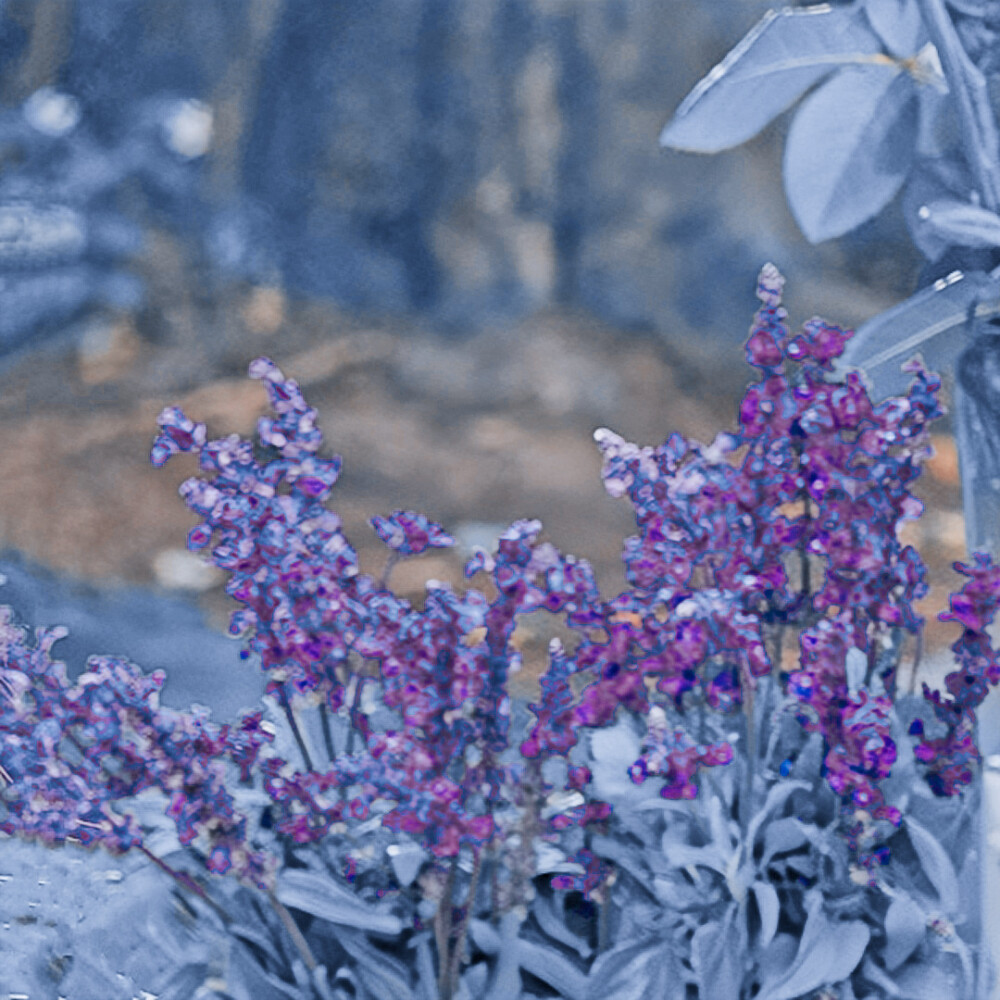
{"x": 72, "y": 750}
{"x": 950, "y": 758}
{"x": 726, "y": 549}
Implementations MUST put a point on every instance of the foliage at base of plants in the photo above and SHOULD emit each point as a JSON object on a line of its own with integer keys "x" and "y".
{"x": 721, "y": 793}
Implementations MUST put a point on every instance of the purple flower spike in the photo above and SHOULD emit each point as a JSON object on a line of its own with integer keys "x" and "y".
{"x": 409, "y": 533}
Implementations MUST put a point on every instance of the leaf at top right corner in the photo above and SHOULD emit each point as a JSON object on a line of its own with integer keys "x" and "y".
{"x": 849, "y": 149}
{"x": 784, "y": 54}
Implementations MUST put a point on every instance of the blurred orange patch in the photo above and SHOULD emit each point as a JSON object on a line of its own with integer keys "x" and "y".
{"x": 943, "y": 464}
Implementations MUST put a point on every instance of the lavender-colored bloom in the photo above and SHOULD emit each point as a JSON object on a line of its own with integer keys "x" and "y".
{"x": 409, "y": 533}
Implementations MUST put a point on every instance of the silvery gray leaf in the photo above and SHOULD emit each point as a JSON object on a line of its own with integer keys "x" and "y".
{"x": 551, "y": 967}
{"x": 253, "y": 934}
{"x": 623, "y": 854}
{"x": 551, "y": 916}
{"x": 936, "y": 865}
{"x": 776, "y": 960}
{"x": 786, "y": 53}
{"x": 647, "y": 970}
{"x": 929, "y": 322}
{"x": 321, "y": 896}
{"x": 427, "y": 983}
{"x": 898, "y": 24}
{"x": 184, "y": 984}
{"x": 905, "y": 927}
{"x": 785, "y": 834}
{"x": 769, "y": 908}
{"x": 828, "y": 952}
{"x": 475, "y": 979}
{"x": 381, "y": 973}
{"x": 717, "y": 962}
{"x": 849, "y": 148}
{"x": 244, "y": 975}
{"x": 406, "y": 861}
{"x": 506, "y": 979}
{"x": 725, "y": 833}
{"x": 926, "y": 981}
{"x": 876, "y": 974}
{"x": 679, "y": 855}
{"x": 320, "y": 983}
{"x": 776, "y": 798}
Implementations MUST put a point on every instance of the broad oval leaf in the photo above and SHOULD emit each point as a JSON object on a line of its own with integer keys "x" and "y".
{"x": 776, "y": 797}
{"x": 769, "y": 908}
{"x": 321, "y": 896}
{"x": 828, "y": 953}
{"x": 785, "y": 834}
{"x": 926, "y": 981}
{"x": 780, "y": 58}
{"x": 849, "y": 149}
{"x": 647, "y": 970}
{"x": 716, "y": 960}
{"x": 928, "y": 322}
{"x": 905, "y": 926}
{"x": 936, "y": 865}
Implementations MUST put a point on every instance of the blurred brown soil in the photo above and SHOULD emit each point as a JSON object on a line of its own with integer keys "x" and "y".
{"x": 479, "y": 430}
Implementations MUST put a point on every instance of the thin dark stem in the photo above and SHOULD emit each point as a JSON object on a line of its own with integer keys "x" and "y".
{"x": 442, "y": 931}
{"x": 288, "y": 922}
{"x": 186, "y": 882}
{"x": 296, "y": 732}
{"x": 456, "y": 956}
{"x": 355, "y": 705}
{"x": 324, "y": 721}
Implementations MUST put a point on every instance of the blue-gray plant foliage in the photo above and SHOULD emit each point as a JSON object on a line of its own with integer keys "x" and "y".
{"x": 892, "y": 95}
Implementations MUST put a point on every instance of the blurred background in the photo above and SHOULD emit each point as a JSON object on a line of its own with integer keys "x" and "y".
{"x": 449, "y": 219}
